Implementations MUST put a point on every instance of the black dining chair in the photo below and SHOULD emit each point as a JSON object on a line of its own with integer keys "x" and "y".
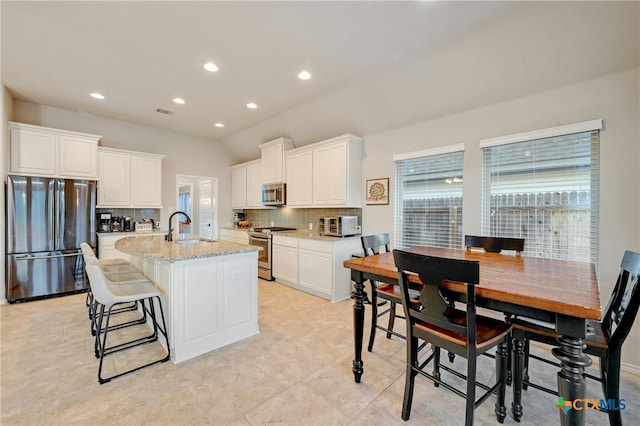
{"x": 604, "y": 338}
{"x": 494, "y": 244}
{"x": 463, "y": 332}
{"x": 376, "y": 244}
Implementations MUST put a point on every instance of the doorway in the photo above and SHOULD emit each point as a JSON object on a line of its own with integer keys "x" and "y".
{"x": 197, "y": 196}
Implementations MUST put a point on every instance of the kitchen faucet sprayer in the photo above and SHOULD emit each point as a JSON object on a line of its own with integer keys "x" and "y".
{"x": 169, "y": 236}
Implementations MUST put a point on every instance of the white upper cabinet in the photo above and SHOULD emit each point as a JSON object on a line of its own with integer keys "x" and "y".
{"x": 254, "y": 184}
{"x": 129, "y": 179}
{"x": 43, "y": 151}
{"x": 273, "y": 160}
{"x": 325, "y": 174}
{"x": 246, "y": 185}
{"x": 337, "y": 172}
{"x": 239, "y": 186}
{"x": 115, "y": 179}
{"x": 299, "y": 178}
{"x": 146, "y": 179}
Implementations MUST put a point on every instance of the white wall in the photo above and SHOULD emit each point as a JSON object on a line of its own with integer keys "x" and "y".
{"x": 6, "y": 108}
{"x": 185, "y": 154}
{"x": 614, "y": 98}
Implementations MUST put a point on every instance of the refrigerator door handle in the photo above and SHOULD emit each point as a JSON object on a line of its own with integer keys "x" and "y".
{"x": 52, "y": 212}
{"x": 27, "y": 257}
{"x": 57, "y": 224}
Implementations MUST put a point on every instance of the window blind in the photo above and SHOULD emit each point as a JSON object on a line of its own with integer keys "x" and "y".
{"x": 545, "y": 191}
{"x": 428, "y": 201}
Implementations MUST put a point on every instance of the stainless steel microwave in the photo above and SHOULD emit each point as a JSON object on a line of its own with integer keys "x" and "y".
{"x": 274, "y": 194}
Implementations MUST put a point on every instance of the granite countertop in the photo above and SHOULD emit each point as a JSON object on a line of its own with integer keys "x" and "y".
{"x": 155, "y": 231}
{"x": 156, "y": 247}
{"x": 314, "y": 235}
{"x": 301, "y": 233}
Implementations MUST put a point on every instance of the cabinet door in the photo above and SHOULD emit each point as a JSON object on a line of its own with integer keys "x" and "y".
{"x": 106, "y": 247}
{"x": 78, "y": 157}
{"x": 254, "y": 185}
{"x": 114, "y": 172}
{"x": 146, "y": 180}
{"x": 239, "y": 188}
{"x": 33, "y": 152}
{"x": 315, "y": 270}
{"x": 330, "y": 175}
{"x": 285, "y": 263}
{"x": 272, "y": 164}
{"x": 300, "y": 179}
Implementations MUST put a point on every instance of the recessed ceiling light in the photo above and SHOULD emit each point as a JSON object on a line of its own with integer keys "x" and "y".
{"x": 210, "y": 66}
{"x": 252, "y": 105}
{"x": 97, "y": 96}
{"x": 304, "y": 75}
{"x": 179, "y": 101}
{"x": 219, "y": 125}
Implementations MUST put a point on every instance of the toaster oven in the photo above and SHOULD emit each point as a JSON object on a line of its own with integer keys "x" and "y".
{"x": 338, "y": 226}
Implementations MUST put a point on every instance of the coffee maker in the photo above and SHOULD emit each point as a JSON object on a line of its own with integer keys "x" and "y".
{"x": 104, "y": 222}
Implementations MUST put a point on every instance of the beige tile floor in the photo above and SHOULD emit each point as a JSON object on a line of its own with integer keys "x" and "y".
{"x": 297, "y": 371}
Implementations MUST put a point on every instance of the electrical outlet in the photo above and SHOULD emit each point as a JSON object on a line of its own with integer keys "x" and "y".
{"x": 310, "y": 226}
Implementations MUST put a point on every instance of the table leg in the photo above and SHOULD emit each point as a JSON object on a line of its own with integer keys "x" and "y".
{"x": 358, "y": 323}
{"x": 517, "y": 367}
{"x": 571, "y": 383}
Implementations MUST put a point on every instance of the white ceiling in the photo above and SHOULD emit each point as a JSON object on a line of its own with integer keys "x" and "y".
{"x": 142, "y": 54}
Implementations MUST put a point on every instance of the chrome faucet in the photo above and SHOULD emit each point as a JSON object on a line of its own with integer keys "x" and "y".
{"x": 169, "y": 236}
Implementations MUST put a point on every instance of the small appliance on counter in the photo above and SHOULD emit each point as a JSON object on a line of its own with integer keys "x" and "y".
{"x": 145, "y": 225}
{"x": 104, "y": 222}
{"x": 116, "y": 224}
{"x": 338, "y": 226}
{"x": 127, "y": 224}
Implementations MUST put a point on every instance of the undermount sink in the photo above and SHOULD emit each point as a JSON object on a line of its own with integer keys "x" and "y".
{"x": 189, "y": 241}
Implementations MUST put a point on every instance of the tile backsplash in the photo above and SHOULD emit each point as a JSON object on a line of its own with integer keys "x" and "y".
{"x": 296, "y": 218}
{"x": 136, "y": 214}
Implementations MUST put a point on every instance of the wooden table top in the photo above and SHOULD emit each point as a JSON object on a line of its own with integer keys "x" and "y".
{"x": 563, "y": 287}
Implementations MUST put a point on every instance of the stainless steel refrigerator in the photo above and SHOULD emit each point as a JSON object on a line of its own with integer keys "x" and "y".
{"x": 47, "y": 219}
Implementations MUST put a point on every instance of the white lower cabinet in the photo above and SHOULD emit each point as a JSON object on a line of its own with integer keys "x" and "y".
{"x": 316, "y": 269}
{"x": 315, "y": 266}
{"x": 285, "y": 258}
{"x": 234, "y": 235}
{"x": 107, "y": 241}
{"x": 106, "y": 249}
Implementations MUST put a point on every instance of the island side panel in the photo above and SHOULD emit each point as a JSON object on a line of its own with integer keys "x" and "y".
{"x": 214, "y": 302}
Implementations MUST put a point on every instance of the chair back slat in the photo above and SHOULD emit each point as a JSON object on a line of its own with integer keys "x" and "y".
{"x": 372, "y": 244}
{"x": 624, "y": 302}
{"x": 435, "y": 307}
{"x": 494, "y": 244}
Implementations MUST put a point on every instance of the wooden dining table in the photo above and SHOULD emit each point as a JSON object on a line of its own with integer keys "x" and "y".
{"x": 564, "y": 293}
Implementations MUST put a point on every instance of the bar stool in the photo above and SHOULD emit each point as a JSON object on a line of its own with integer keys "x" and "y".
{"x": 117, "y": 271}
{"x": 109, "y": 296}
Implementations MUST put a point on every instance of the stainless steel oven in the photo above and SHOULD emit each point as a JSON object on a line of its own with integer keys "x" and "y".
{"x": 262, "y": 237}
{"x": 263, "y": 240}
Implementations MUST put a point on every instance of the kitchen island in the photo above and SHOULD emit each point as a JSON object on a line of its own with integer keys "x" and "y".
{"x": 210, "y": 290}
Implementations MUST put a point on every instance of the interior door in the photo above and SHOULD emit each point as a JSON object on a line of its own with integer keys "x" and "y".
{"x": 206, "y": 212}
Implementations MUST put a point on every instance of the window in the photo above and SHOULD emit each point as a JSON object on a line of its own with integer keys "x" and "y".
{"x": 428, "y": 198}
{"x": 545, "y": 190}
